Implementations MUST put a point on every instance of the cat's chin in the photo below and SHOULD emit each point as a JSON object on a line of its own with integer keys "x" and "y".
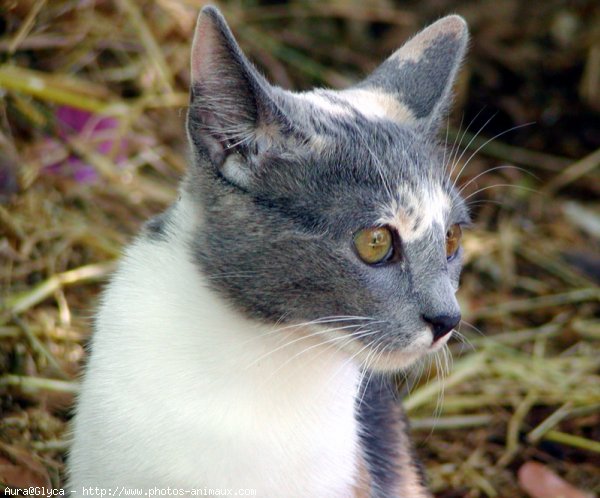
{"x": 402, "y": 359}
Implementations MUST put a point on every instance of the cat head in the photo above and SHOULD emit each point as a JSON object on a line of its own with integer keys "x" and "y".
{"x": 331, "y": 207}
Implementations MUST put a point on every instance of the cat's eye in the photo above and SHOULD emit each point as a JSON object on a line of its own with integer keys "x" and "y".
{"x": 374, "y": 245}
{"x": 453, "y": 236}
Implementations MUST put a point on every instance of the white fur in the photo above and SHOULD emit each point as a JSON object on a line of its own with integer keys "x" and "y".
{"x": 181, "y": 391}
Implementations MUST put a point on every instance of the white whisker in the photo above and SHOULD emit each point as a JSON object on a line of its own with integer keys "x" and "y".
{"x": 483, "y": 189}
{"x": 301, "y": 338}
{"x": 474, "y": 137}
{"x": 484, "y": 144}
{"x": 506, "y": 166}
{"x": 330, "y": 343}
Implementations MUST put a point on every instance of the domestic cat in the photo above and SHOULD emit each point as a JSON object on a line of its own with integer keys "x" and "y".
{"x": 246, "y": 339}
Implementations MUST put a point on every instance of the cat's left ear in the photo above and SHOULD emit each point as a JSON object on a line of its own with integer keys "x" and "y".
{"x": 420, "y": 74}
{"x": 233, "y": 118}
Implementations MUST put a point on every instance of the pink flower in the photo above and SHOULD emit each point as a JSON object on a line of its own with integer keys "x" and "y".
{"x": 98, "y": 132}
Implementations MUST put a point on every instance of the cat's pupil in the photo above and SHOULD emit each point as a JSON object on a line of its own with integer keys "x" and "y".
{"x": 453, "y": 237}
{"x": 377, "y": 239}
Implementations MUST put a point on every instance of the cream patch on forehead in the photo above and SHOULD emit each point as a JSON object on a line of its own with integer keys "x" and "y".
{"x": 325, "y": 104}
{"x": 417, "y": 214}
{"x": 372, "y": 103}
{"x": 377, "y": 104}
{"x": 318, "y": 142}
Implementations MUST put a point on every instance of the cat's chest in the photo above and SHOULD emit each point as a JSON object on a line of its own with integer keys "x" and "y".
{"x": 286, "y": 431}
{"x": 237, "y": 406}
{"x": 249, "y": 432}
{"x": 281, "y": 454}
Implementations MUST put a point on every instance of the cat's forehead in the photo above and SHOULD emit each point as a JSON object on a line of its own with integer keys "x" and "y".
{"x": 384, "y": 175}
{"x": 359, "y": 136}
{"x": 360, "y": 115}
{"x": 380, "y": 170}
{"x": 374, "y": 103}
{"x": 410, "y": 186}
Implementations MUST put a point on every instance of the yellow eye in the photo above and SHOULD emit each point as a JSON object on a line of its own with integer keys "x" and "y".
{"x": 453, "y": 237}
{"x": 374, "y": 245}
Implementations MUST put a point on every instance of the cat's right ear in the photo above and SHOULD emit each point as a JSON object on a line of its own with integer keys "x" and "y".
{"x": 420, "y": 74}
{"x": 232, "y": 118}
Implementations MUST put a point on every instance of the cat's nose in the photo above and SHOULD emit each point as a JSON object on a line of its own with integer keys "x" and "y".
{"x": 441, "y": 324}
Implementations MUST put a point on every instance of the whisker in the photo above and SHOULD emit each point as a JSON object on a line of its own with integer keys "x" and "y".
{"x": 464, "y": 340}
{"x": 379, "y": 354}
{"x": 451, "y": 357}
{"x": 446, "y": 141}
{"x": 301, "y": 338}
{"x": 318, "y": 321}
{"x": 416, "y": 373}
{"x": 429, "y": 367}
{"x": 474, "y": 137}
{"x": 440, "y": 376}
{"x": 472, "y": 327}
{"x": 517, "y": 127}
{"x": 520, "y": 187}
{"x": 362, "y": 368}
{"x": 445, "y": 364}
{"x": 483, "y": 201}
{"x": 457, "y": 145}
{"x": 405, "y": 383}
{"x": 331, "y": 342}
{"x": 506, "y": 166}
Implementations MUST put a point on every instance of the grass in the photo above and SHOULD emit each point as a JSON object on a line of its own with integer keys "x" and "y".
{"x": 525, "y": 387}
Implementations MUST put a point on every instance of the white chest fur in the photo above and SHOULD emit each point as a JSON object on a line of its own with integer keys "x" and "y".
{"x": 182, "y": 391}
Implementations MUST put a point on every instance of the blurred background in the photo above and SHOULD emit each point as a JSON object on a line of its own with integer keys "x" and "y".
{"x": 93, "y": 97}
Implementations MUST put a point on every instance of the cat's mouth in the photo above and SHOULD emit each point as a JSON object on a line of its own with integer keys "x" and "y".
{"x": 440, "y": 342}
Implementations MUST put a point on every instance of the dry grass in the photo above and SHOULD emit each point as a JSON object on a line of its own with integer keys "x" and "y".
{"x": 527, "y": 388}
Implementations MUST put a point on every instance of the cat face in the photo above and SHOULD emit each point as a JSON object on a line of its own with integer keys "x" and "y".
{"x": 330, "y": 206}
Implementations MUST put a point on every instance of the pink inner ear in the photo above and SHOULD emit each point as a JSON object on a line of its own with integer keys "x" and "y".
{"x": 203, "y": 48}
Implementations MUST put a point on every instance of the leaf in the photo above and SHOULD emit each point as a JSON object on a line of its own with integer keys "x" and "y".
{"x": 540, "y": 482}
{"x": 19, "y": 469}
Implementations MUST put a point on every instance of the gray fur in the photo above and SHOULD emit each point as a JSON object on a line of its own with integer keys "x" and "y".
{"x": 421, "y": 84}
{"x": 156, "y": 228}
{"x": 380, "y": 414}
{"x": 292, "y": 228}
{"x": 161, "y": 227}
{"x": 279, "y": 216}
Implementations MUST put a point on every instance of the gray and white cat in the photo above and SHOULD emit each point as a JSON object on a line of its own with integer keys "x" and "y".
{"x": 245, "y": 340}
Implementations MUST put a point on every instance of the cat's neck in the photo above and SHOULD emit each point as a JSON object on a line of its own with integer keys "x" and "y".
{"x": 209, "y": 336}
{"x": 207, "y": 375}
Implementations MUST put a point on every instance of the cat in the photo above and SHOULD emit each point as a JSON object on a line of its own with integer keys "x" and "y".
{"x": 248, "y": 335}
